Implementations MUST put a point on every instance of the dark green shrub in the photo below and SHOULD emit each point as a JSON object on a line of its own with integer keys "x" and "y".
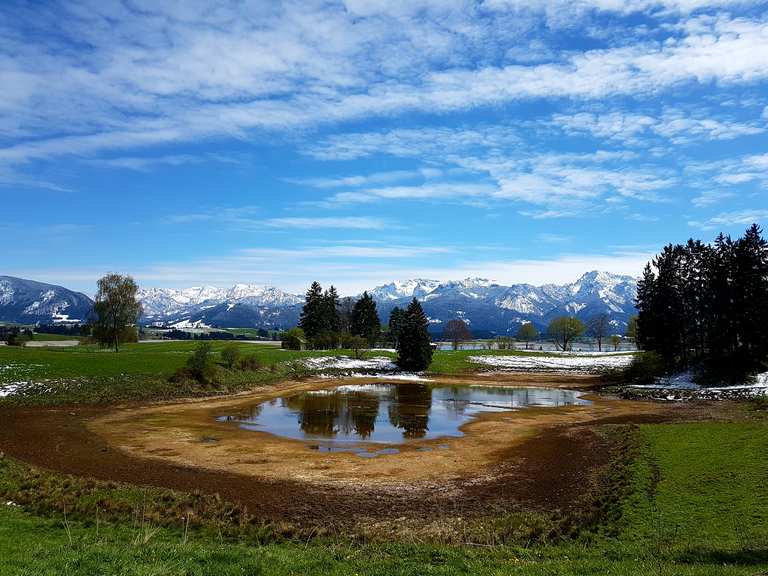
{"x": 249, "y": 363}
{"x": 646, "y": 367}
{"x": 230, "y": 355}
{"x": 294, "y": 339}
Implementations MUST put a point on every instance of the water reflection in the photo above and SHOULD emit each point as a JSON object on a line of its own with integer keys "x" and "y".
{"x": 389, "y": 413}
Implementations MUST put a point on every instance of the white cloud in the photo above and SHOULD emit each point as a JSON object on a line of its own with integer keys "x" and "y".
{"x": 676, "y": 126}
{"x": 156, "y": 75}
{"x": 367, "y": 179}
{"x": 348, "y": 222}
{"x": 710, "y": 197}
{"x": 293, "y": 272}
{"x": 731, "y": 219}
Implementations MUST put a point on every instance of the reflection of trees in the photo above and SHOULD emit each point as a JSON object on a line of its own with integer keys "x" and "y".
{"x": 317, "y": 413}
{"x": 457, "y": 398}
{"x": 337, "y": 412}
{"x": 363, "y": 409}
{"x": 409, "y": 410}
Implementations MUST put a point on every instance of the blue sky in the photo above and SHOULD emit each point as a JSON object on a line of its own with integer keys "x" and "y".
{"x": 362, "y": 141}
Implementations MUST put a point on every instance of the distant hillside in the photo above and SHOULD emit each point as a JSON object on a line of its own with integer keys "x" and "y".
{"x": 29, "y": 302}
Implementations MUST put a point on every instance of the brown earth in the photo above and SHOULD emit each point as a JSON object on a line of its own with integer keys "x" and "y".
{"x": 540, "y": 458}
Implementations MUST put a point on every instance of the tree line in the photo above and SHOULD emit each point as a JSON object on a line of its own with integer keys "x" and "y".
{"x": 327, "y": 322}
{"x": 705, "y": 306}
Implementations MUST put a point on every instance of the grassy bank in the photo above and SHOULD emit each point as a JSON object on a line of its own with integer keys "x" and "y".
{"x": 695, "y": 504}
{"x": 90, "y": 374}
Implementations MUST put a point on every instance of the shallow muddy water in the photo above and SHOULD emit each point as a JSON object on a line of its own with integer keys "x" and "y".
{"x": 343, "y": 418}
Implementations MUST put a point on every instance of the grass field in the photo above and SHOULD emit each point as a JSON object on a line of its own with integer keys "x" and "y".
{"x": 697, "y": 505}
{"x": 159, "y": 359}
{"x": 88, "y": 373}
{"x": 55, "y": 337}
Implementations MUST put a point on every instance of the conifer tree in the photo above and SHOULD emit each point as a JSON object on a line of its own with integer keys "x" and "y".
{"x": 396, "y": 318}
{"x": 365, "y": 319}
{"x": 414, "y": 350}
{"x": 330, "y": 315}
{"x": 706, "y": 306}
{"x": 311, "y": 319}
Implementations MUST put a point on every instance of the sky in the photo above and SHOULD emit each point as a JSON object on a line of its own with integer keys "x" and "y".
{"x": 361, "y": 141}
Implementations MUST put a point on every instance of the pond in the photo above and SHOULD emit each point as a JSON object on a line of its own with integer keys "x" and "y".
{"x": 341, "y": 418}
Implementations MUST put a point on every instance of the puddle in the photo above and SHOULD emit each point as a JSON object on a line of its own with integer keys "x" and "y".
{"x": 344, "y": 418}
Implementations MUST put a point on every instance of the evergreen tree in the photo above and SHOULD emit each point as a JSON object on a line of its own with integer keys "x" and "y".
{"x": 751, "y": 298}
{"x": 706, "y": 306}
{"x": 365, "y": 319}
{"x": 396, "y": 318}
{"x": 311, "y": 319}
{"x": 414, "y": 350}
{"x": 331, "y": 320}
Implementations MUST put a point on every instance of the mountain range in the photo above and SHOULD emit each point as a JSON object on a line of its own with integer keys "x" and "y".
{"x": 29, "y": 302}
{"x": 488, "y": 307}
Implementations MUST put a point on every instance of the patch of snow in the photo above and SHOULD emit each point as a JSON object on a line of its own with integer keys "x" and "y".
{"x": 405, "y": 376}
{"x": 682, "y": 387}
{"x": 188, "y": 324}
{"x": 562, "y": 364}
{"x": 11, "y": 389}
{"x": 682, "y": 381}
{"x": 378, "y": 363}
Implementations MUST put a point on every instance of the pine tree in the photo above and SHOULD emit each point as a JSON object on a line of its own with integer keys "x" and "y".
{"x": 750, "y": 304}
{"x": 330, "y": 315}
{"x": 414, "y": 350}
{"x": 311, "y": 319}
{"x": 396, "y": 318}
{"x": 365, "y": 319}
{"x": 706, "y": 306}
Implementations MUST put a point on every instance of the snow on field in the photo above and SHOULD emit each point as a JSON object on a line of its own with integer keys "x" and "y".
{"x": 580, "y": 353}
{"x": 562, "y": 364}
{"x": 682, "y": 387}
{"x": 38, "y": 388}
{"x": 10, "y": 389}
{"x": 378, "y": 363}
{"x": 406, "y": 376}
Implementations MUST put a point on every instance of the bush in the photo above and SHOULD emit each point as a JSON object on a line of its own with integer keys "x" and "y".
{"x": 355, "y": 343}
{"x": 326, "y": 341}
{"x": 230, "y": 354}
{"x": 294, "y": 339}
{"x": 18, "y": 337}
{"x": 645, "y": 368}
{"x": 200, "y": 366}
{"x": 250, "y": 363}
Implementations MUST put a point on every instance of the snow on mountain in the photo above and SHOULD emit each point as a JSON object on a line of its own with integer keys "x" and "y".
{"x": 164, "y": 303}
{"x": 486, "y": 305}
{"x": 417, "y": 287}
{"x": 501, "y": 309}
{"x": 29, "y": 302}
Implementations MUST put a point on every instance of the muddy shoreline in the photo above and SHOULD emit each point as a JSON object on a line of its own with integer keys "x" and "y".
{"x": 545, "y": 460}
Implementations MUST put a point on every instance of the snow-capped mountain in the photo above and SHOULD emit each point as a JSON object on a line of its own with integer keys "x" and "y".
{"x": 241, "y": 305}
{"x": 29, "y": 302}
{"x": 487, "y": 306}
{"x": 491, "y": 307}
{"x": 484, "y": 304}
{"x": 418, "y": 288}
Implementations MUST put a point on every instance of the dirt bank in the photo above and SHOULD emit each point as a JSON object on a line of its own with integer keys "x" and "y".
{"x": 539, "y": 457}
